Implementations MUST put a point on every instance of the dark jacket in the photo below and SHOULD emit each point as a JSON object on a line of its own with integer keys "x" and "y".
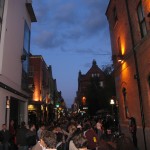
{"x": 21, "y": 136}
{"x": 6, "y": 136}
{"x": 31, "y": 138}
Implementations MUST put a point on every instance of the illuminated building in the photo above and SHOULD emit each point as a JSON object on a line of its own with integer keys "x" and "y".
{"x": 41, "y": 104}
{"x": 130, "y": 38}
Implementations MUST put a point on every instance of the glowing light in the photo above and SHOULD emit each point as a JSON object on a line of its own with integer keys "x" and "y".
{"x": 83, "y": 100}
{"x": 31, "y": 107}
{"x": 122, "y": 46}
{"x": 112, "y": 102}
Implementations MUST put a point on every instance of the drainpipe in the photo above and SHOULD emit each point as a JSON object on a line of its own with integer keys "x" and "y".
{"x": 137, "y": 74}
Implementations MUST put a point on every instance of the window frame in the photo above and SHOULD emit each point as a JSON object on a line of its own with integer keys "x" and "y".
{"x": 141, "y": 20}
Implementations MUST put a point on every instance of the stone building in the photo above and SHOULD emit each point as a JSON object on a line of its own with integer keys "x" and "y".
{"x": 129, "y": 24}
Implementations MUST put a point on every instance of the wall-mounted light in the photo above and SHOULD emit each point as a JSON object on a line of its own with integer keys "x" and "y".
{"x": 7, "y": 102}
{"x": 120, "y": 58}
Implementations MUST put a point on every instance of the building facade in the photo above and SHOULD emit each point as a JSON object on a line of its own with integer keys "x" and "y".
{"x": 41, "y": 104}
{"x": 130, "y": 40}
{"x": 15, "y": 28}
{"x": 84, "y": 82}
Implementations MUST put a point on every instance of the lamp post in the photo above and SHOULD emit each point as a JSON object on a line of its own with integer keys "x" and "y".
{"x": 112, "y": 102}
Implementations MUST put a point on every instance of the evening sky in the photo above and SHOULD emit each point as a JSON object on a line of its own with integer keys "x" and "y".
{"x": 69, "y": 34}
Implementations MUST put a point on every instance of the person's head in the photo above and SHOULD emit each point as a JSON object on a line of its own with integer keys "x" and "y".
{"x": 80, "y": 141}
{"x": 22, "y": 124}
{"x": 72, "y": 128}
{"x": 48, "y": 139}
{"x": 12, "y": 122}
{"x": 32, "y": 127}
{"x": 42, "y": 126}
{"x": 4, "y": 126}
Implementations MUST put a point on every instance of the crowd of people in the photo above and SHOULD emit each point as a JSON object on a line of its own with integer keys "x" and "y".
{"x": 64, "y": 134}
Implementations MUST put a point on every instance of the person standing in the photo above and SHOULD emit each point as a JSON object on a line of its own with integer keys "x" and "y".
{"x": 31, "y": 136}
{"x": 12, "y": 135}
{"x": 21, "y": 137}
{"x": 41, "y": 128}
{"x": 6, "y": 137}
{"x": 99, "y": 128}
{"x": 133, "y": 129}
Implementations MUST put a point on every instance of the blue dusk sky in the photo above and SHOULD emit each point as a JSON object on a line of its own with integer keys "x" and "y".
{"x": 70, "y": 34}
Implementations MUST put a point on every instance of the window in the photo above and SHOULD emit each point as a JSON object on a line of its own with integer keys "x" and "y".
{"x": 115, "y": 15}
{"x": 124, "y": 92}
{"x": 101, "y": 84}
{"x": 26, "y": 38}
{"x": 141, "y": 19}
{"x": 1, "y": 13}
{"x": 26, "y": 47}
{"x": 25, "y": 62}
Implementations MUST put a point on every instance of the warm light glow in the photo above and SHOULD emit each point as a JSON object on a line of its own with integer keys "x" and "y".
{"x": 42, "y": 108}
{"x": 36, "y": 95}
{"x": 122, "y": 44}
{"x": 125, "y": 71}
{"x": 122, "y": 48}
{"x": 83, "y": 100}
{"x": 31, "y": 107}
{"x": 7, "y": 103}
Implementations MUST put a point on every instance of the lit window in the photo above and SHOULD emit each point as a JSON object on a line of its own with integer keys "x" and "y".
{"x": 141, "y": 18}
{"x": 101, "y": 84}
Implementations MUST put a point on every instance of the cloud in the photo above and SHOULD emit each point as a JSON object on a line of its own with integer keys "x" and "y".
{"x": 47, "y": 40}
{"x": 68, "y": 22}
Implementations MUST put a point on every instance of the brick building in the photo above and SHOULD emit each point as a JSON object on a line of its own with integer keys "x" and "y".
{"x": 129, "y": 24}
{"x": 45, "y": 94}
{"x": 84, "y": 81}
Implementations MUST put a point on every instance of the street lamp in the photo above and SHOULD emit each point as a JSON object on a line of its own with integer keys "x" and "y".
{"x": 112, "y": 102}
